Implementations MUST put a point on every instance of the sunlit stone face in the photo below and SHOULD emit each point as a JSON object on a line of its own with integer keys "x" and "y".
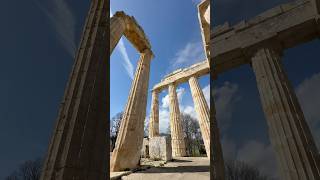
{"x": 207, "y": 15}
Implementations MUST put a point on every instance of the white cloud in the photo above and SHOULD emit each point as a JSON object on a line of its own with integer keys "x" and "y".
{"x": 164, "y": 119}
{"x": 308, "y": 93}
{"x": 164, "y": 113}
{"x": 253, "y": 153}
{"x": 165, "y": 100}
{"x": 62, "y": 19}
{"x": 229, "y": 148}
{"x": 125, "y": 57}
{"x": 193, "y": 52}
{"x": 189, "y": 110}
{"x": 126, "y": 60}
{"x": 225, "y": 99}
{"x": 206, "y": 92}
{"x": 259, "y": 155}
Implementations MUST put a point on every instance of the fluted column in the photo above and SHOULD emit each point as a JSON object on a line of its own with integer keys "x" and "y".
{"x": 216, "y": 148}
{"x": 296, "y": 151}
{"x": 154, "y": 116}
{"x": 117, "y": 28}
{"x": 177, "y": 136}
{"x": 202, "y": 110}
{"x": 126, "y": 154}
{"x": 79, "y": 146}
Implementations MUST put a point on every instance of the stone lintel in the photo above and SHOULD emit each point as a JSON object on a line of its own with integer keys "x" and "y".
{"x": 134, "y": 32}
{"x": 204, "y": 19}
{"x": 290, "y": 24}
{"x": 183, "y": 75}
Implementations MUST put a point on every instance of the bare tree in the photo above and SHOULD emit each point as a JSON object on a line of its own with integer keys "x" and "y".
{"x": 29, "y": 170}
{"x": 237, "y": 170}
{"x": 146, "y": 127}
{"x": 115, "y": 123}
{"x": 193, "y": 138}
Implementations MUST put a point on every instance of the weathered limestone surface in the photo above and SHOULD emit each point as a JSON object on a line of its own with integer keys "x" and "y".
{"x": 216, "y": 153}
{"x": 117, "y": 28}
{"x": 154, "y": 117}
{"x": 202, "y": 110}
{"x": 183, "y": 75}
{"x": 297, "y": 153}
{"x": 145, "y": 148}
{"x": 78, "y": 148}
{"x": 127, "y": 26}
{"x": 160, "y": 148}
{"x": 204, "y": 19}
{"x": 177, "y": 136}
{"x": 129, "y": 142}
{"x": 291, "y": 24}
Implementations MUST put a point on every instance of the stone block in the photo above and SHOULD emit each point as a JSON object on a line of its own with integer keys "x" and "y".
{"x": 160, "y": 148}
{"x": 145, "y": 148}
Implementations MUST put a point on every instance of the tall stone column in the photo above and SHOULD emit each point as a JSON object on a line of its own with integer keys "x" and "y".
{"x": 177, "y": 136}
{"x": 291, "y": 138}
{"x": 78, "y": 148}
{"x": 154, "y": 116}
{"x": 117, "y": 28}
{"x": 216, "y": 152}
{"x": 202, "y": 110}
{"x": 126, "y": 154}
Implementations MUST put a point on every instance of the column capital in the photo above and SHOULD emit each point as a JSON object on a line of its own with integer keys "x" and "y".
{"x": 272, "y": 45}
{"x": 155, "y": 91}
{"x": 193, "y": 77}
{"x": 148, "y": 52}
{"x": 173, "y": 85}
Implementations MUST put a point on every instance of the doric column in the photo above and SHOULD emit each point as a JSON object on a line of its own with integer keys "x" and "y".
{"x": 126, "y": 154}
{"x": 154, "y": 116}
{"x": 202, "y": 110}
{"x": 177, "y": 136}
{"x": 290, "y": 135}
{"x": 117, "y": 28}
{"x": 216, "y": 149}
{"x": 79, "y": 146}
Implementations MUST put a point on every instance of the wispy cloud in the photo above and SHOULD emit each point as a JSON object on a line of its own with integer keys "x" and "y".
{"x": 308, "y": 95}
{"x": 191, "y": 53}
{"x": 125, "y": 57}
{"x": 164, "y": 112}
{"x": 63, "y": 21}
{"x": 225, "y": 100}
{"x": 255, "y": 153}
{"x": 196, "y": 1}
{"x": 126, "y": 60}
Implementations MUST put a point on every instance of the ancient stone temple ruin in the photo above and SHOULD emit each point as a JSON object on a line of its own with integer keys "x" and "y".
{"x": 126, "y": 154}
{"x": 171, "y": 81}
{"x": 261, "y": 42}
{"x": 78, "y": 147}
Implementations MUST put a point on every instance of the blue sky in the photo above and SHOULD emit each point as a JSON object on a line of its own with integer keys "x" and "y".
{"x": 174, "y": 32}
{"x": 239, "y": 112}
{"x": 38, "y": 39}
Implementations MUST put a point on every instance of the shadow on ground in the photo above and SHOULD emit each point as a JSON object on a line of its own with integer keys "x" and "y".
{"x": 178, "y": 169}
